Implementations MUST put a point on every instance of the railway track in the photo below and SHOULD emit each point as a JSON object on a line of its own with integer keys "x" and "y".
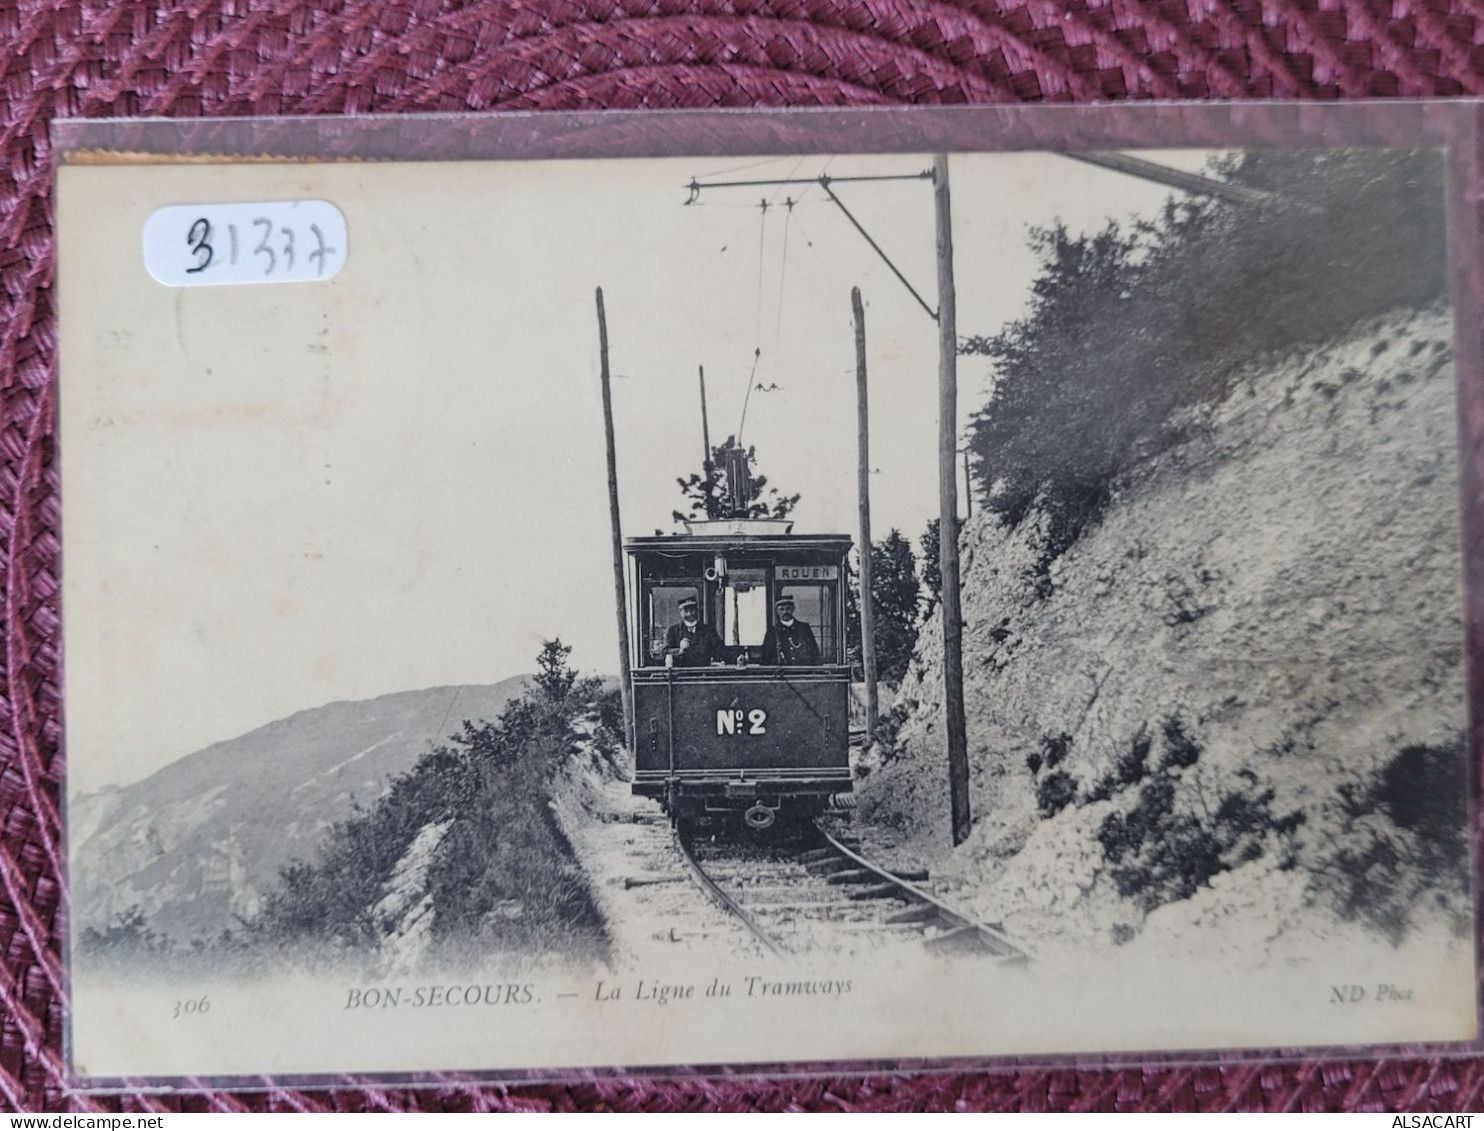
{"x": 817, "y": 892}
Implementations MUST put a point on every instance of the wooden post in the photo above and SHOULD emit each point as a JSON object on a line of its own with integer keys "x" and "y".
{"x": 705, "y": 426}
{"x": 953, "y": 631}
{"x": 625, "y": 691}
{"x": 863, "y": 449}
{"x": 968, "y": 488}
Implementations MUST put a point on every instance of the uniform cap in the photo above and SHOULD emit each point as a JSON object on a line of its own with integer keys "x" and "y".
{"x": 783, "y": 599}
{"x": 684, "y": 601}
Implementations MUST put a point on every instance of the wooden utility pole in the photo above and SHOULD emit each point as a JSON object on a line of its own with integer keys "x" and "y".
{"x": 619, "y": 601}
{"x": 953, "y": 629}
{"x": 705, "y": 426}
{"x": 863, "y": 448}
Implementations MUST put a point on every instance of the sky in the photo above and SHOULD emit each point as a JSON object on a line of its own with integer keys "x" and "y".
{"x": 281, "y": 496}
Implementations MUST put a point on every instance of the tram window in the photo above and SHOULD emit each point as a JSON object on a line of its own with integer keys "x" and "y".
{"x": 663, "y": 611}
{"x": 744, "y": 608}
{"x": 815, "y": 605}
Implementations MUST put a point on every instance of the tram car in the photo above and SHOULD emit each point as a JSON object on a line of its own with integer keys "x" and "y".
{"x": 740, "y": 678}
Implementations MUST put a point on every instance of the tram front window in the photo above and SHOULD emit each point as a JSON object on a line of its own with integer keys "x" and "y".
{"x": 814, "y": 604}
{"x": 664, "y": 611}
{"x": 743, "y": 615}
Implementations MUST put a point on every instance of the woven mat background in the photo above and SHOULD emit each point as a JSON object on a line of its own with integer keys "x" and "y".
{"x": 244, "y": 57}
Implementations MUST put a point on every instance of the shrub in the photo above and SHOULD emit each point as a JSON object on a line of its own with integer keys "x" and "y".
{"x": 1403, "y": 842}
{"x": 1180, "y": 749}
{"x": 1054, "y": 748}
{"x": 1158, "y": 853}
{"x": 1130, "y": 769}
{"x": 1055, "y": 792}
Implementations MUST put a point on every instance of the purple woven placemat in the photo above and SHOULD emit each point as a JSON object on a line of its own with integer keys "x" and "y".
{"x": 249, "y": 57}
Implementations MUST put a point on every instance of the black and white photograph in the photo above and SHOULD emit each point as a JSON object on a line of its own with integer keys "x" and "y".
{"x": 761, "y": 609}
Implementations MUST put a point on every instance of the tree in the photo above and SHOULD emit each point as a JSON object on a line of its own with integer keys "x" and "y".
{"x": 853, "y": 617}
{"x": 555, "y": 676}
{"x": 932, "y": 568}
{"x": 896, "y": 595}
{"x": 708, "y": 493}
{"x": 895, "y": 598}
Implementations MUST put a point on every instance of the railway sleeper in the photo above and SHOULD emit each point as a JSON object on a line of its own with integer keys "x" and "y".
{"x": 877, "y": 891}
{"x": 853, "y": 876}
{"x": 833, "y": 864}
{"x": 921, "y": 913}
{"x": 911, "y": 875}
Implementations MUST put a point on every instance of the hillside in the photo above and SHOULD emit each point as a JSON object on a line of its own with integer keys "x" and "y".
{"x": 1234, "y": 706}
{"x": 198, "y": 843}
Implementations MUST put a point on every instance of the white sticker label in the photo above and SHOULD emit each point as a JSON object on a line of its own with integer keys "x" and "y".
{"x": 212, "y": 245}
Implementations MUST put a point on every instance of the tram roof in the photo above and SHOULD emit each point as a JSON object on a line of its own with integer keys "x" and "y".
{"x": 713, "y": 543}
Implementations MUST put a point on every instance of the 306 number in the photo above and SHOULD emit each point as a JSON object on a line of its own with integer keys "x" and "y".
{"x": 190, "y": 1007}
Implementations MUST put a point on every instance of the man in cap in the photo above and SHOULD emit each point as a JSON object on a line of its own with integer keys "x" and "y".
{"x": 693, "y": 644}
{"x": 789, "y": 641}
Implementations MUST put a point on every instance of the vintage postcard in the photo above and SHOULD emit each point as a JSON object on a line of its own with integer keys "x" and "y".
{"x": 773, "y": 598}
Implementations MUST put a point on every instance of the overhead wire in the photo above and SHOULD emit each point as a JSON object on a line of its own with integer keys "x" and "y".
{"x": 766, "y": 204}
{"x": 743, "y": 168}
{"x": 782, "y": 275}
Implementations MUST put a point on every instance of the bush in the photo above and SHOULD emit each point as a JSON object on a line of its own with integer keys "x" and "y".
{"x": 1404, "y": 843}
{"x": 1180, "y": 749}
{"x": 1130, "y": 769}
{"x": 1055, "y": 792}
{"x": 1157, "y": 853}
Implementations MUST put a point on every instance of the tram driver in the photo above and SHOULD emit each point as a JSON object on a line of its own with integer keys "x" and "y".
{"x": 693, "y": 644}
{"x": 789, "y": 642}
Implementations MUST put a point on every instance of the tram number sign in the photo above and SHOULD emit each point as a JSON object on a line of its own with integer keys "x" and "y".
{"x": 731, "y": 720}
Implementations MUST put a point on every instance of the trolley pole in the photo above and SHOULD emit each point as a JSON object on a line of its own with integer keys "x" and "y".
{"x": 705, "y": 426}
{"x": 953, "y": 629}
{"x": 619, "y": 603}
{"x": 863, "y": 448}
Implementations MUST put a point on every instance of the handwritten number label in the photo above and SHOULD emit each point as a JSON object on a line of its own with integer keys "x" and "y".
{"x": 320, "y": 252}
{"x": 198, "y": 238}
{"x": 196, "y": 245}
{"x": 263, "y": 248}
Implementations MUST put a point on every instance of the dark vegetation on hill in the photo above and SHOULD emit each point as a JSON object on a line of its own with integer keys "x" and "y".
{"x": 1134, "y": 322}
{"x": 501, "y": 875}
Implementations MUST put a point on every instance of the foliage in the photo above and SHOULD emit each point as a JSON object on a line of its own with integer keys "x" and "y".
{"x": 1158, "y": 850}
{"x": 1057, "y": 789}
{"x": 1055, "y": 792}
{"x": 708, "y": 494}
{"x": 1404, "y": 842}
{"x": 128, "y": 933}
{"x": 896, "y": 598}
{"x": 1131, "y": 768}
{"x": 1129, "y": 324}
{"x": 554, "y": 675}
{"x": 932, "y": 569}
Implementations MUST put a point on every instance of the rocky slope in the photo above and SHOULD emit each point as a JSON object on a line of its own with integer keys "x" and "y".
{"x": 1240, "y": 696}
{"x": 196, "y": 844}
